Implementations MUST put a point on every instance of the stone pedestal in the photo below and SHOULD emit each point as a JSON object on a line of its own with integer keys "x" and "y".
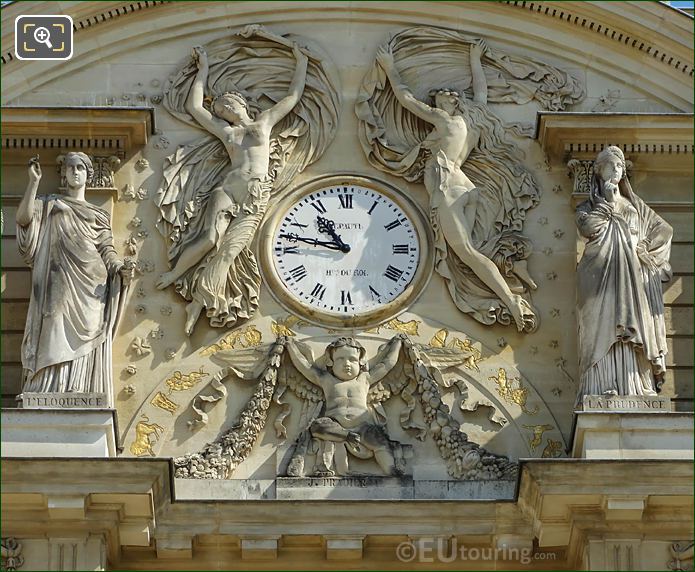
{"x": 64, "y": 401}
{"x": 58, "y": 433}
{"x": 633, "y": 435}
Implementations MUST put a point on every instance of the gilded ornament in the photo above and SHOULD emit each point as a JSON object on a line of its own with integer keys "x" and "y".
{"x": 538, "y": 431}
{"x": 465, "y": 345}
{"x": 146, "y": 435}
{"x": 163, "y": 402}
{"x": 284, "y": 327}
{"x": 512, "y": 390}
{"x": 181, "y": 382}
{"x": 552, "y": 449}
{"x": 247, "y": 337}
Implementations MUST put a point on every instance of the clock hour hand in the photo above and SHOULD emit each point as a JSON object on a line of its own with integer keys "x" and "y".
{"x": 292, "y": 237}
{"x": 326, "y": 226}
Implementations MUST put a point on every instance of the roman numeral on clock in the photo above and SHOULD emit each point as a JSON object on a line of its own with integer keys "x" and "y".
{"x": 393, "y": 273}
{"x": 392, "y": 225}
{"x": 298, "y": 273}
{"x": 400, "y": 248}
{"x": 318, "y": 205}
{"x": 345, "y": 201}
{"x": 374, "y": 294}
{"x": 372, "y": 207}
{"x": 318, "y": 291}
{"x": 345, "y": 298}
{"x": 287, "y": 250}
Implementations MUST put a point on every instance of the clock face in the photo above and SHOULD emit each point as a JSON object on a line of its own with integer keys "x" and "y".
{"x": 345, "y": 249}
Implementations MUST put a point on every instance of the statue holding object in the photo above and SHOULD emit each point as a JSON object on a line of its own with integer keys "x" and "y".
{"x": 78, "y": 285}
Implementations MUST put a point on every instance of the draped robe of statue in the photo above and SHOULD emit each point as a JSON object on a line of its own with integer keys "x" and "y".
{"x": 75, "y": 298}
{"x": 396, "y": 141}
{"x": 622, "y": 334}
{"x": 260, "y": 65}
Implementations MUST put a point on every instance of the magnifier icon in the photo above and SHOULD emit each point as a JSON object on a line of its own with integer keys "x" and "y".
{"x": 43, "y": 36}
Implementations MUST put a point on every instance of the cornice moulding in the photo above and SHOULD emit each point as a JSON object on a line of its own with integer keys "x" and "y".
{"x": 101, "y": 130}
{"x": 668, "y": 137}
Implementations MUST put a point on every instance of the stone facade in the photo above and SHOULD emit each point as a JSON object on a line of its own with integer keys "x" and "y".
{"x": 226, "y": 138}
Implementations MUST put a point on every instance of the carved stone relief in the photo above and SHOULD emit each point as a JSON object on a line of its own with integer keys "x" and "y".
{"x": 424, "y": 115}
{"x": 345, "y": 429}
{"x": 215, "y": 191}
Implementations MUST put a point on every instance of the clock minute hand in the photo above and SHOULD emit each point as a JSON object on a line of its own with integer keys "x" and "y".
{"x": 328, "y": 227}
{"x": 313, "y": 241}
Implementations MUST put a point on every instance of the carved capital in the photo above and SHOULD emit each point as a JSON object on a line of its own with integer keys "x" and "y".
{"x": 12, "y": 558}
{"x": 581, "y": 173}
{"x": 681, "y": 556}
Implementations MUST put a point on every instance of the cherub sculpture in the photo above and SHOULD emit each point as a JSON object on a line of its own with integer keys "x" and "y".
{"x": 424, "y": 116}
{"x": 346, "y": 379}
{"x": 251, "y": 93}
{"x": 342, "y": 395}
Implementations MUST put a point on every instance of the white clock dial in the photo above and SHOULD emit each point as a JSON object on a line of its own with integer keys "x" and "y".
{"x": 345, "y": 249}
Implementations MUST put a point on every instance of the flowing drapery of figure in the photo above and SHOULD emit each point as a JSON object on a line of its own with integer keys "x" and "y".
{"x": 395, "y": 141}
{"x": 75, "y": 297}
{"x": 622, "y": 334}
{"x": 260, "y": 66}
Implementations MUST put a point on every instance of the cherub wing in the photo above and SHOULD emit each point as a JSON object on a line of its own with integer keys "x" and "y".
{"x": 290, "y": 378}
{"x": 245, "y": 364}
{"x": 441, "y": 358}
{"x": 398, "y": 381}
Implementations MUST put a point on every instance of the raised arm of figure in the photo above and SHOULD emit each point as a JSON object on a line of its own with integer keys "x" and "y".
{"x": 307, "y": 369}
{"x": 378, "y": 371}
{"x": 404, "y": 96}
{"x": 287, "y": 103}
{"x": 26, "y": 206}
{"x": 194, "y": 103}
{"x": 478, "y": 75}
